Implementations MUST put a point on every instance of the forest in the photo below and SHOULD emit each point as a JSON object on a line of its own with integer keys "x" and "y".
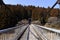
{"x": 11, "y": 14}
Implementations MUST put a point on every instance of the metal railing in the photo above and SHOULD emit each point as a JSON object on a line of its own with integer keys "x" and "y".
{"x": 49, "y": 29}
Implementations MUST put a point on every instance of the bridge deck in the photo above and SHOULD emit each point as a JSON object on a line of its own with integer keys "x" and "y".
{"x": 32, "y": 32}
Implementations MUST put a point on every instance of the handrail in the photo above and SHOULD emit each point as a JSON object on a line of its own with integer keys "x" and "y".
{"x": 9, "y": 29}
{"x": 49, "y": 29}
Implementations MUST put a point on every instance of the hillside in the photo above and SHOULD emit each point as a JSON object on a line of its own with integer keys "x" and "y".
{"x": 11, "y": 14}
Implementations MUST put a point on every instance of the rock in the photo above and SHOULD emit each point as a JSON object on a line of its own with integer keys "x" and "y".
{"x": 23, "y": 22}
{"x": 36, "y": 22}
{"x": 53, "y": 22}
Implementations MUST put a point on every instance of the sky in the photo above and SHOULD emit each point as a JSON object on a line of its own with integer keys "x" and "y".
{"x": 40, "y": 3}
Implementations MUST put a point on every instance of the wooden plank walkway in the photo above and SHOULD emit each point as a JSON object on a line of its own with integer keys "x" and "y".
{"x": 13, "y": 34}
{"x": 32, "y": 32}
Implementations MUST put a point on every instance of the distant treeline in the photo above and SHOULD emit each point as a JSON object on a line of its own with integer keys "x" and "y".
{"x": 11, "y": 14}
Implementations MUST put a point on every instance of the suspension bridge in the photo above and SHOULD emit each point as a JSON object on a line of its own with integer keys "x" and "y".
{"x": 30, "y": 31}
